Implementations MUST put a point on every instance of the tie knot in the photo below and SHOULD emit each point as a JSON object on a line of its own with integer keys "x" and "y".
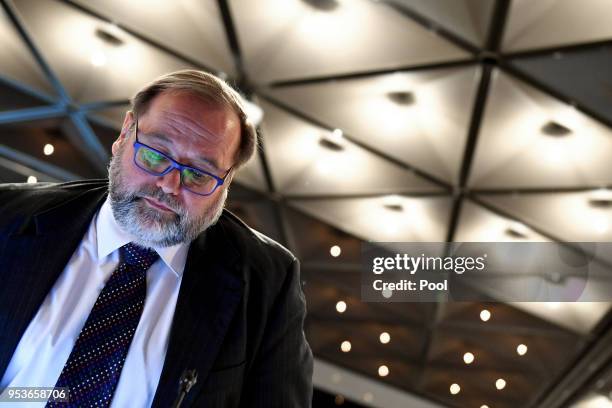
{"x": 135, "y": 255}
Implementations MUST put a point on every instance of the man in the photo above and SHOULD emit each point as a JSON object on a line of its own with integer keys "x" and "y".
{"x": 119, "y": 290}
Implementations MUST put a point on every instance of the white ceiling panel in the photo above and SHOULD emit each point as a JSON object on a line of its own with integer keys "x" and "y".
{"x": 420, "y": 118}
{"x": 408, "y": 219}
{"x": 547, "y": 23}
{"x": 252, "y": 175}
{"x": 287, "y": 39}
{"x": 572, "y": 217}
{"x": 92, "y": 68}
{"x": 529, "y": 139}
{"x": 16, "y": 62}
{"x": 305, "y": 164}
{"x": 192, "y": 27}
{"x": 468, "y": 18}
{"x": 478, "y": 224}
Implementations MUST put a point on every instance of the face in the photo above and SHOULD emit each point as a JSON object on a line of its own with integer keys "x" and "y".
{"x": 157, "y": 211}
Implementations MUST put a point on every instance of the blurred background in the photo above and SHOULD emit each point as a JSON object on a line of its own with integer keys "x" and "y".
{"x": 388, "y": 120}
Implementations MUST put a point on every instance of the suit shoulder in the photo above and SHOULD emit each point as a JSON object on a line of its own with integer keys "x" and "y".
{"x": 253, "y": 245}
{"x": 26, "y": 198}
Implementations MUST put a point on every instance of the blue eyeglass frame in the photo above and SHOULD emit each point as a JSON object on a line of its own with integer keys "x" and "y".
{"x": 174, "y": 165}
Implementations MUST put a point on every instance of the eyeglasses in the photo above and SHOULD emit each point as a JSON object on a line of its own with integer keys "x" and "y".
{"x": 154, "y": 162}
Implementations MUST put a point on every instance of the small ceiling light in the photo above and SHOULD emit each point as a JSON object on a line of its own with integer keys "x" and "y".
{"x": 555, "y": 129}
{"x": 341, "y": 306}
{"x": 335, "y": 251}
{"x": 385, "y": 337}
{"x": 521, "y": 349}
{"x": 339, "y": 400}
{"x": 500, "y": 384}
{"x": 401, "y": 98}
{"x": 323, "y": 5}
{"x": 32, "y": 179}
{"x": 383, "y": 371}
{"x": 601, "y": 198}
{"x": 485, "y": 315}
{"x": 484, "y": 406}
{"x": 345, "y": 346}
{"x": 48, "y": 149}
{"x": 98, "y": 58}
{"x": 109, "y": 37}
{"x": 468, "y": 358}
{"x": 333, "y": 140}
{"x": 454, "y": 389}
{"x": 517, "y": 230}
{"x": 393, "y": 202}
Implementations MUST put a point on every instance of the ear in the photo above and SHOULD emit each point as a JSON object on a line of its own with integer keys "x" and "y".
{"x": 128, "y": 121}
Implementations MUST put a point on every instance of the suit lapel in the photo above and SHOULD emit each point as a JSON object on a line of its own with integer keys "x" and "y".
{"x": 35, "y": 254}
{"x": 210, "y": 292}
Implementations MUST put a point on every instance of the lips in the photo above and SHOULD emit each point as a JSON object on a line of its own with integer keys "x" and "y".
{"x": 156, "y": 204}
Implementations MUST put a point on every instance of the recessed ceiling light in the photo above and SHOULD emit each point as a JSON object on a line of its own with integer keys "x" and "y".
{"x": 48, "y": 149}
{"x": 345, "y": 346}
{"x": 521, "y": 349}
{"x": 335, "y": 251}
{"x": 500, "y": 384}
{"x": 333, "y": 140}
{"x": 555, "y": 129}
{"x": 468, "y": 358}
{"x": 517, "y": 230}
{"x": 323, "y": 5}
{"x": 32, "y": 179}
{"x": 601, "y": 198}
{"x": 383, "y": 371}
{"x": 485, "y": 315}
{"x": 385, "y": 337}
{"x": 393, "y": 202}
{"x": 401, "y": 98}
{"x": 341, "y": 306}
{"x": 108, "y": 37}
{"x": 454, "y": 389}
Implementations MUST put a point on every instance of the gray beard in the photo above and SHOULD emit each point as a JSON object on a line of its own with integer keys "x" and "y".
{"x": 151, "y": 227}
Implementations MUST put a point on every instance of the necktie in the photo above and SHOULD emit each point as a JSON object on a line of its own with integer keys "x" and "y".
{"x": 95, "y": 362}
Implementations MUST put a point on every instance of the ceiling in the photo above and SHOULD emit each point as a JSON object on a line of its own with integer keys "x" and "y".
{"x": 476, "y": 115}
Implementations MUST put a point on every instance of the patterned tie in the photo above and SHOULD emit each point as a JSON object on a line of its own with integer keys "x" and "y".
{"x": 94, "y": 366}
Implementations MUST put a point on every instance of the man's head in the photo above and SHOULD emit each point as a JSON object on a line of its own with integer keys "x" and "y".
{"x": 195, "y": 119}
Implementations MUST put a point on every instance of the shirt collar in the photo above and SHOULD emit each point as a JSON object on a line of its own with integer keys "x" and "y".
{"x": 111, "y": 237}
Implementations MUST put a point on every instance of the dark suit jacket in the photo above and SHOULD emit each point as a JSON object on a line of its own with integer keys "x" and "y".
{"x": 239, "y": 314}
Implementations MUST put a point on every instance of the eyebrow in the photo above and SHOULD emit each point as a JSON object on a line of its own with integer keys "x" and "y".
{"x": 210, "y": 162}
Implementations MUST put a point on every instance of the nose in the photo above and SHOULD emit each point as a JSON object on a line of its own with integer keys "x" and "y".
{"x": 170, "y": 183}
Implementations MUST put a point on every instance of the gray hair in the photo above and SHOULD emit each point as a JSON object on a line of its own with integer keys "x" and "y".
{"x": 211, "y": 89}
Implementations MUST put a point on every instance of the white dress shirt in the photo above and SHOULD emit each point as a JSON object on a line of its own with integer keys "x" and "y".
{"x": 46, "y": 344}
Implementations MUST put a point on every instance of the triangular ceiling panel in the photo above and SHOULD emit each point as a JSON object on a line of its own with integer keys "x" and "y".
{"x": 530, "y": 139}
{"x": 93, "y": 59}
{"x": 548, "y": 23}
{"x": 574, "y": 217}
{"x": 478, "y": 224}
{"x": 469, "y": 19}
{"x": 193, "y": 28}
{"x": 420, "y": 118}
{"x": 309, "y": 161}
{"x": 16, "y": 62}
{"x": 584, "y": 76}
{"x": 377, "y": 219}
{"x": 284, "y": 40}
{"x": 252, "y": 175}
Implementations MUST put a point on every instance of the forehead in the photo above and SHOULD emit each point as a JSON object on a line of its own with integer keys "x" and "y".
{"x": 194, "y": 125}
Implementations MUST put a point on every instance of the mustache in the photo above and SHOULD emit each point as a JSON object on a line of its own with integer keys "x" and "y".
{"x": 157, "y": 194}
